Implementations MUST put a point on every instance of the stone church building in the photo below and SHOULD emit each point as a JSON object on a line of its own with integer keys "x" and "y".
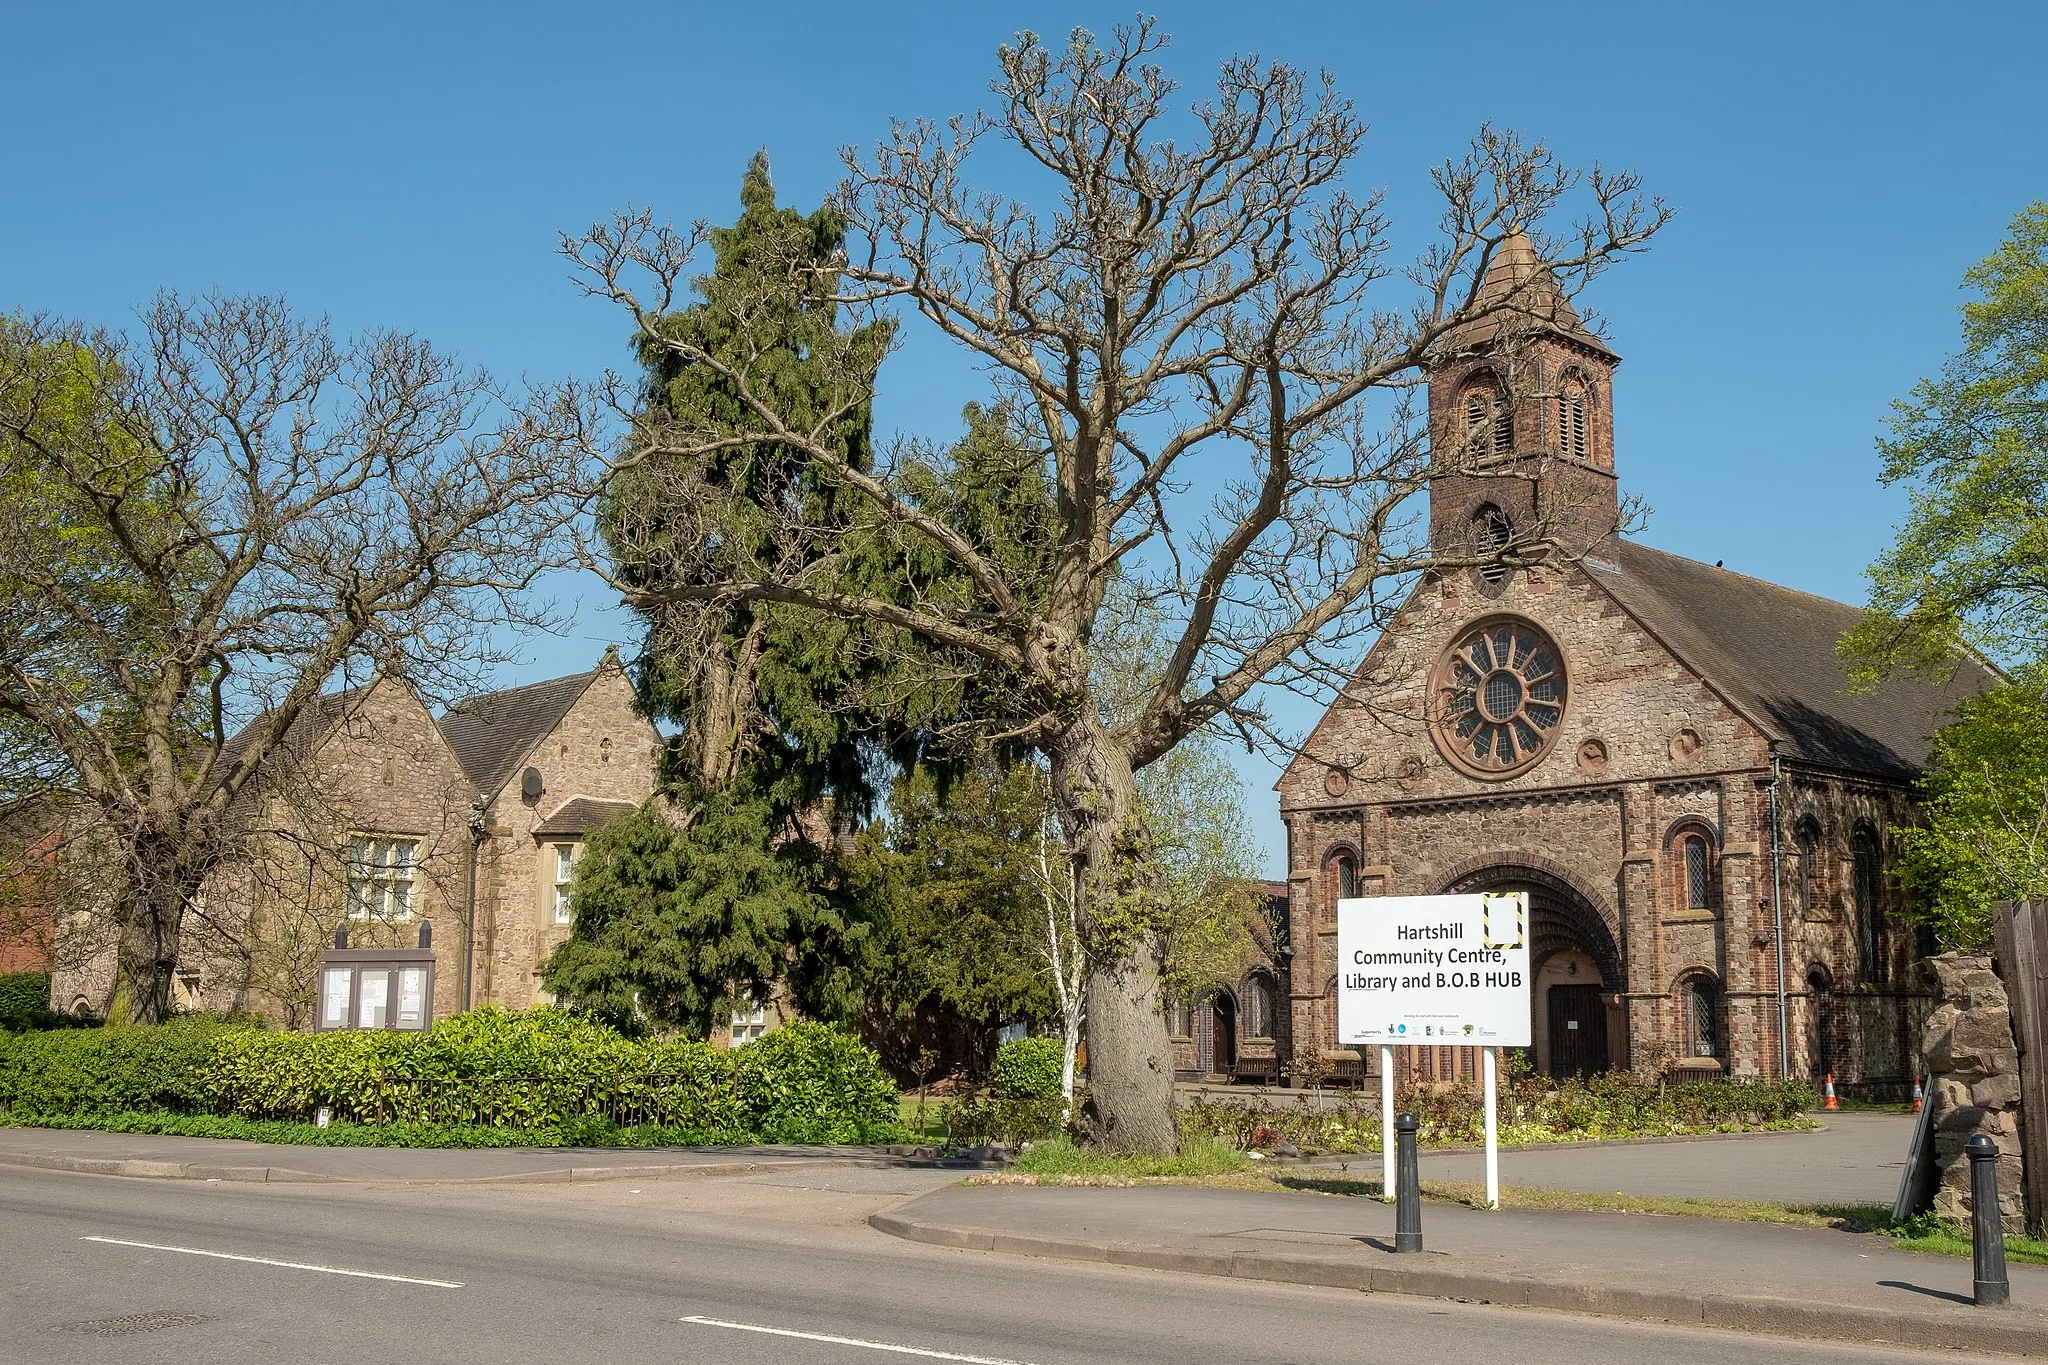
{"x": 1664, "y": 754}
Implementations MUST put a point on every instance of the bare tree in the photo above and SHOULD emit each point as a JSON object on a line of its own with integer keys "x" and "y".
{"x": 1209, "y": 337}
{"x": 201, "y": 531}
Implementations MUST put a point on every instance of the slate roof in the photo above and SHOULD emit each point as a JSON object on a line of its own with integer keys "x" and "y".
{"x": 1770, "y": 650}
{"x": 319, "y": 716}
{"x": 582, "y": 814}
{"x": 490, "y": 734}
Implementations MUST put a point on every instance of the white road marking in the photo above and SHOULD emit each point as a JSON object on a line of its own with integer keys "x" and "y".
{"x": 850, "y": 1341}
{"x": 288, "y": 1265}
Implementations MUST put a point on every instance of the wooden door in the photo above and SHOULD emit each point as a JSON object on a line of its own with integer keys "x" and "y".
{"x": 1578, "y": 1031}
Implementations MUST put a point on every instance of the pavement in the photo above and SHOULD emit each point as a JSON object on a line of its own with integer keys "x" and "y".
{"x": 149, "y": 1155}
{"x": 1803, "y": 1282}
{"x": 773, "y": 1268}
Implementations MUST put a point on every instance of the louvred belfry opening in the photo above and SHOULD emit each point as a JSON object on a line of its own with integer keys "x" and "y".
{"x": 1521, "y": 414}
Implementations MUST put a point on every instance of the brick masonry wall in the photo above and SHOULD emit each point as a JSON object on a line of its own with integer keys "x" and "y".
{"x": 1646, "y": 754}
{"x": 602, "y": 749}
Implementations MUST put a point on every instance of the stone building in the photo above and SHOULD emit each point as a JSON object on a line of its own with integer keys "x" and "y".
{"x": 1661, "y": 752}
{"x": 378, "y": 815}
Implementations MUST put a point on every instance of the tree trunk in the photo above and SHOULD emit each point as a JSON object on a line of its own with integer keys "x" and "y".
{"x": 151, "y": 914}
{"x": 1130, "y": 1058}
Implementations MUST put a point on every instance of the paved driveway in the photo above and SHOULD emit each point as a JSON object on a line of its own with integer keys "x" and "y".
{"x": 1857, "y": 1159}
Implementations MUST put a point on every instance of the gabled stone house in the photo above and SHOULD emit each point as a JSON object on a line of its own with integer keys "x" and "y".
{"x": 379, "y": 816}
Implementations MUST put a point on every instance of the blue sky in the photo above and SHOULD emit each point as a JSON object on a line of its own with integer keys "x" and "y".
{"x": 1836, "y": 168}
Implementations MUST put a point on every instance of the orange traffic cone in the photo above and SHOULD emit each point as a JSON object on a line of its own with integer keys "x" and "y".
{"x": 1830, "y": 1102}
{"x": 1918, "y": 1098}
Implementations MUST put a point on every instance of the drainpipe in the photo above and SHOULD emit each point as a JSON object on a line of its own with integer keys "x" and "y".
{"x": 476, "y": 837}
{"x": 1778, "y": 915}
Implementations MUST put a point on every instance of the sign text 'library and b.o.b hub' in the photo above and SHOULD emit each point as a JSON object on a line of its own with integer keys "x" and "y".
{"x": 1436, "y": 971}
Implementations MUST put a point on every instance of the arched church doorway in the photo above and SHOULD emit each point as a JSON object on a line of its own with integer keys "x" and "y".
{"x": 1216, "y": 1035}
{"x": 1578, "y": 1026}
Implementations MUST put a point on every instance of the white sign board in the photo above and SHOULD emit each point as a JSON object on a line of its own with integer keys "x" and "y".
{"x": 1434, "y": 970}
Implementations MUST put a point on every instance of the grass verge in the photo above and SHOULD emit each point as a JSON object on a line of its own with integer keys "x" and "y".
{"x": 1216, "y": 1166}
{"x": 1057, "y": 1161}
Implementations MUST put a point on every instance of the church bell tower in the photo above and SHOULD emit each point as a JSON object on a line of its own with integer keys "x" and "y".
{"x": 1521, "y": 419}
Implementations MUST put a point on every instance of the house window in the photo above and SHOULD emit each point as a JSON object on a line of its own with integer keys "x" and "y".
{"x": 1180, "y": 1020}
{"x": 380, "y": 877}
{"x": 188, "y": 989}
{"x": 1700, "y": 1008}
{"x": 1868, "y": 868}
{"x": 1699, "y": 874}
{"x": 1806, "y": 837}
{"x": 565, "y": 873}
{"x": 749, "y": 1022}
{"x": 1261, "y": 1004}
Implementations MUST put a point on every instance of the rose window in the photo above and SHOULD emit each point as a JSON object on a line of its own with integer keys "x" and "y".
{"x": 1501, "y": 697}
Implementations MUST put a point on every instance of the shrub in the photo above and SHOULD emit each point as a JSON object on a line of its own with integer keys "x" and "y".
{"x": 1029, "y": 1069}
{"x": 561, "y": 1077}
{"x": 1532, "y": 1109}
{"x": 24, "y": 999}
{"x": 807, "y": 1082}
{"x": 972, "y": 1122}
{"x": 104, "y": 1071}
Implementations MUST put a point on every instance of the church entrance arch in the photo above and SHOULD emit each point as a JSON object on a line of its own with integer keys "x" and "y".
{"x": 1578, "y": 1025}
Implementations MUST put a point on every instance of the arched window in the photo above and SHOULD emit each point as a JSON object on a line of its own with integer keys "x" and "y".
{"x": 1347, "y": 876}
{"x": 1699, "y": 872}
{"x": 1820, "y": 989}
{"x": 1494, "y": 533}
{"x": 1574, "y": 419}
{"x": 1180, "y": 1019}
{"x": 1869, "y": 868}
{"x": 1261, "y": 1005}
{"x": 1701, "y": 1004}
{"x": 1806, "y": 837}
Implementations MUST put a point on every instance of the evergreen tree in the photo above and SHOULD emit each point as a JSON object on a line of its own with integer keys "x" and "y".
{"x": 727, "y": 884}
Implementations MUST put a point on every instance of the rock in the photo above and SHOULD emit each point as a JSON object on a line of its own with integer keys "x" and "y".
{"x": 1284, "y": 1148}
{"x": 1963, "y": 1120}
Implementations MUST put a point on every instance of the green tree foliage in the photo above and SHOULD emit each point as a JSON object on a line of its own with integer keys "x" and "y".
{"x": 951, "y": 879}
{"x": 784, "y": 719}
{"x": 1984, "y": 839}
{"x": 1969, "y": 574}
{"x": 1970, "y": 567}
{"x": 676, "y": 925}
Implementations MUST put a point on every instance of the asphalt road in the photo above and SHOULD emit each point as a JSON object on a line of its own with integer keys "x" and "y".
{"x": 754, "y": 1271}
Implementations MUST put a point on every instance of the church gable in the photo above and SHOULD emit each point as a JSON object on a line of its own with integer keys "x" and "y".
{"x": 1614, "y": 704}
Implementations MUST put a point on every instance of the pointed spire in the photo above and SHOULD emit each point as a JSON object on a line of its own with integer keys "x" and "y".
{"x": 1516, "y": 275}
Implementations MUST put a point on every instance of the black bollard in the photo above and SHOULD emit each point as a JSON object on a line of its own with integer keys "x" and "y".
{"x": 1987, "y": 1231}
{"x": 1407, "y": 1186}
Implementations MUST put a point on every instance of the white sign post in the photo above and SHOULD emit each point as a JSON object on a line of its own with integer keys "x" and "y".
{"x": 1434, "y": 971}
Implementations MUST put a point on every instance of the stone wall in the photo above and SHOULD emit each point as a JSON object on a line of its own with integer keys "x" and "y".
{"x": 1970, "y": 1052}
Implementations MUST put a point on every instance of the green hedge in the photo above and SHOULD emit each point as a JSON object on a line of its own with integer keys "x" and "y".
{"x": 530, "y": 1070}
{"x": 23, "y": 995}
{"x": 107, "y": 1071}
{"x": 1029, "y": 1069}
